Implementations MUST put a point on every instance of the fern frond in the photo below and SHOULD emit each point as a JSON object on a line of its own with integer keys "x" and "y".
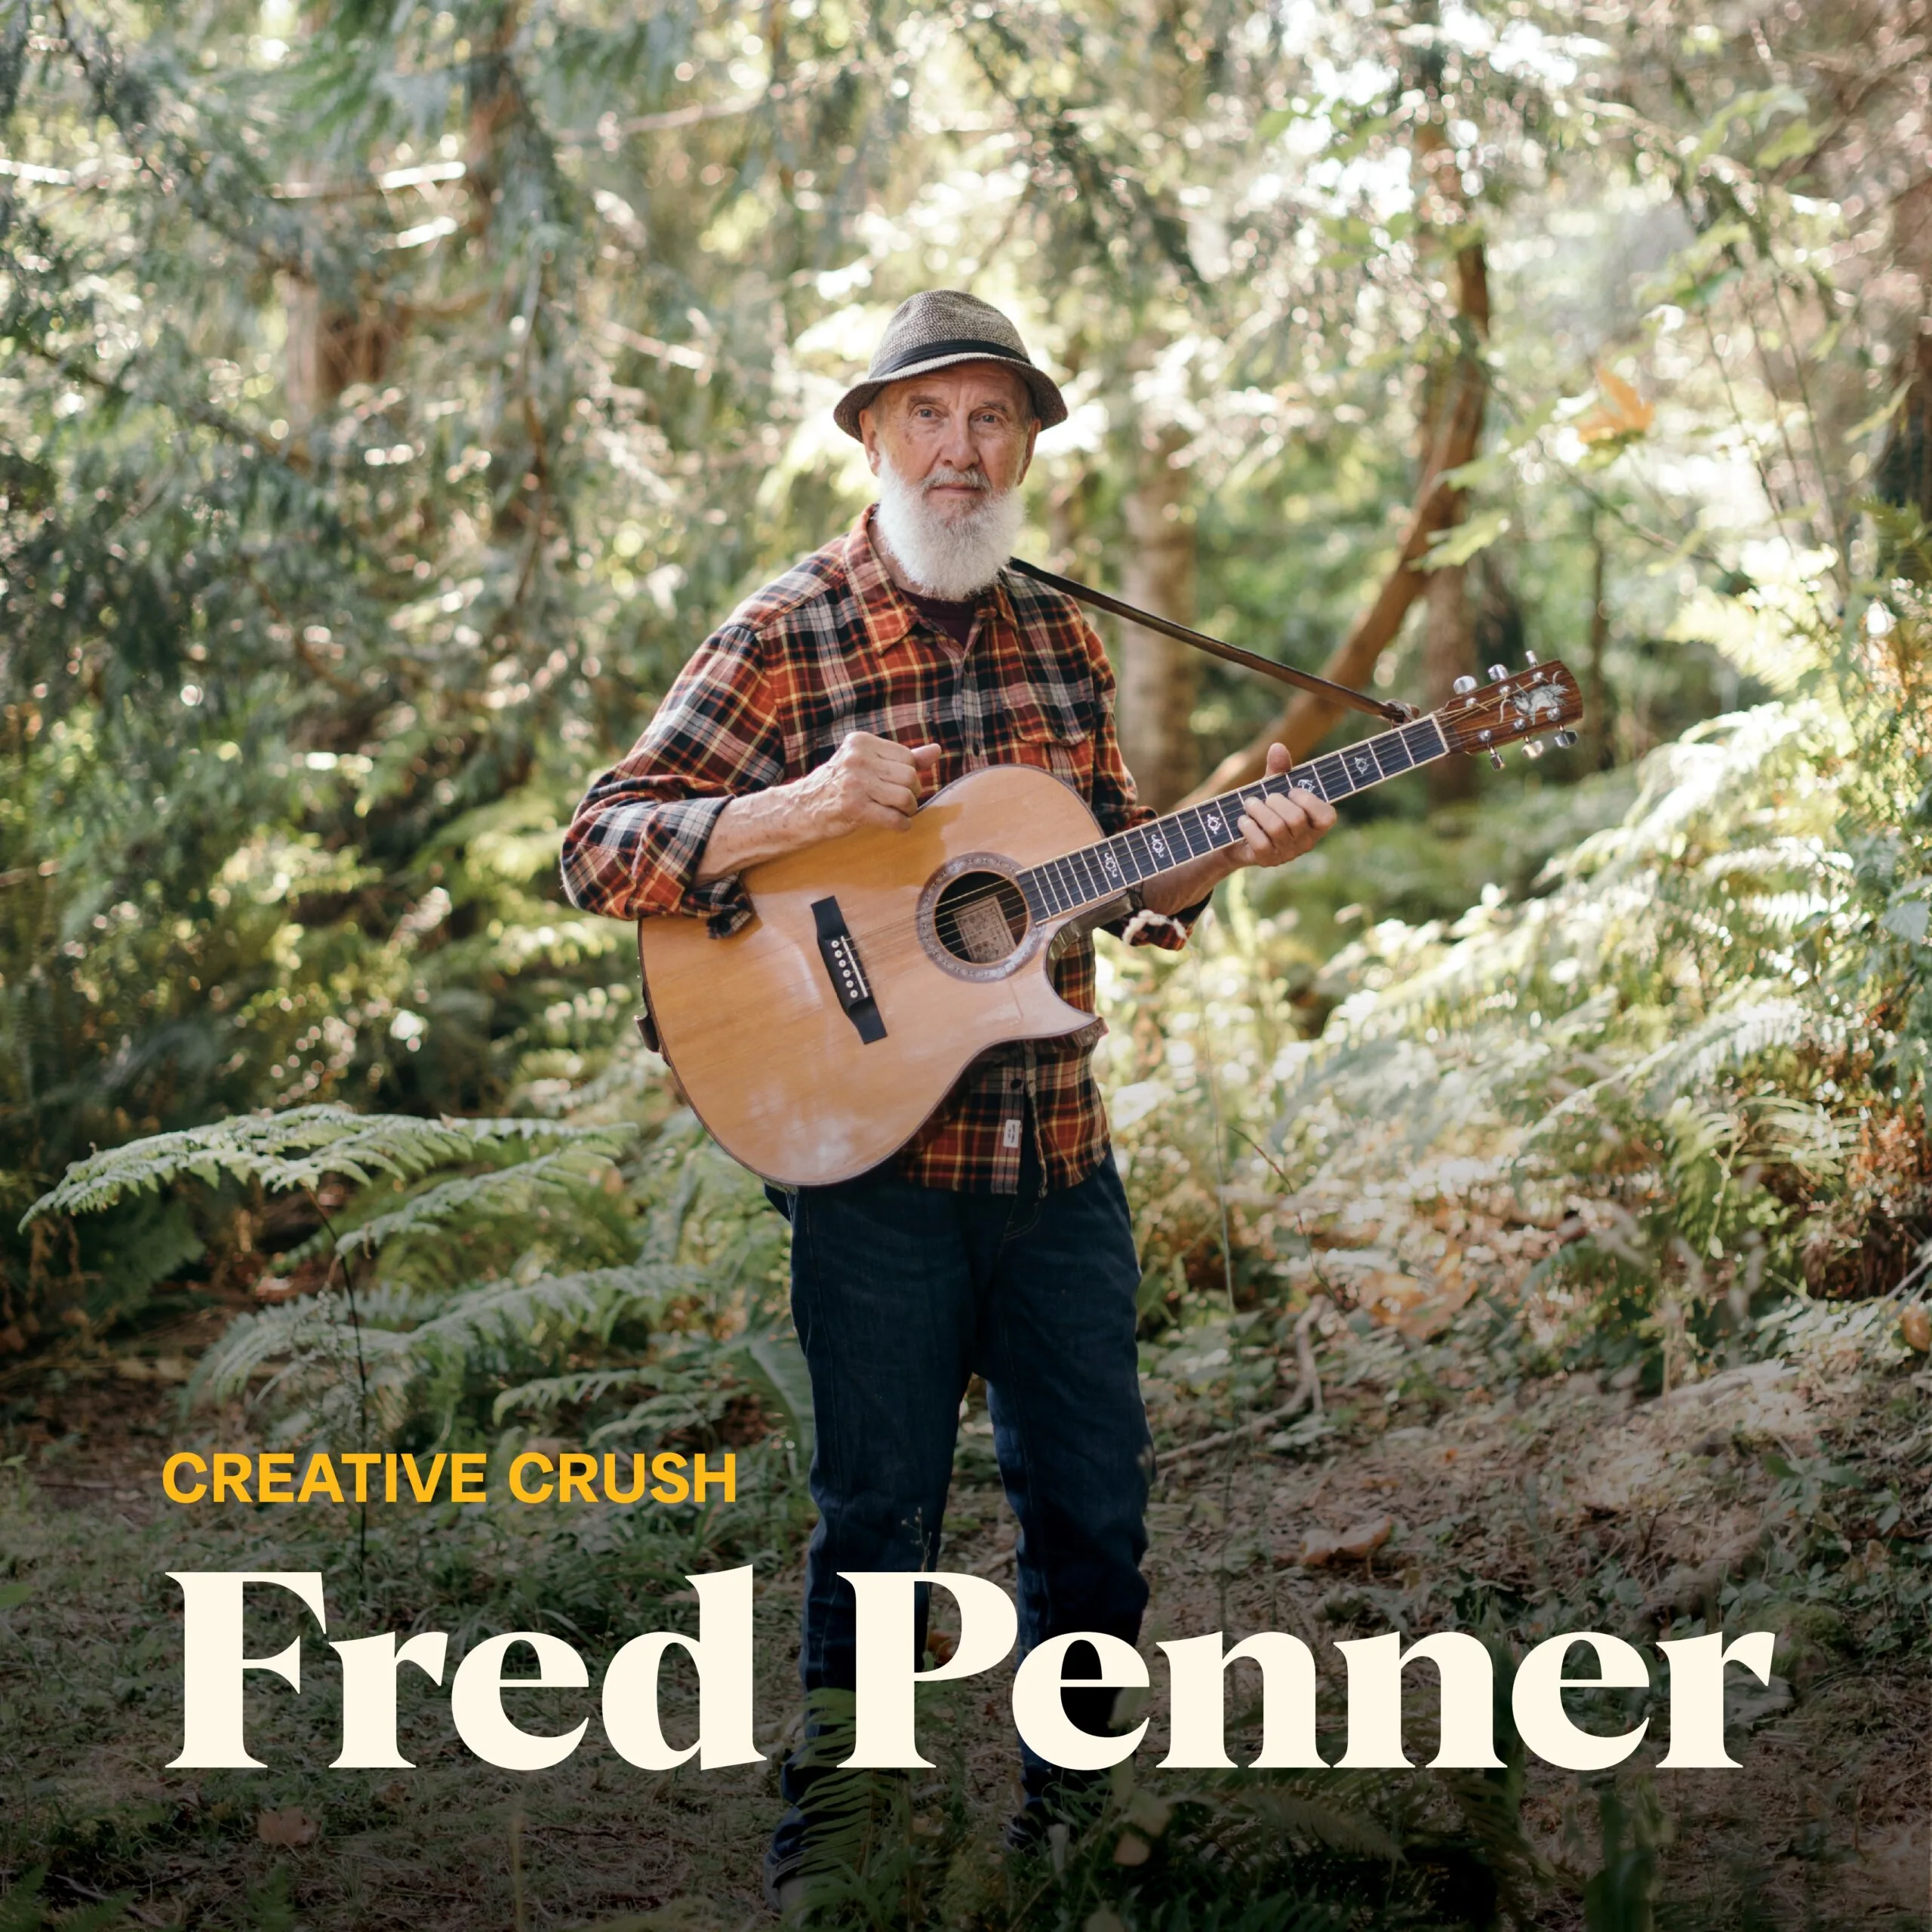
{"x": 491, "y": 1329}
{"x": 1810, "y": 855}
{"x": 20, "y": 1909}
{"x": 514, "y": 1190}
{"x": 778, "y": 1364}
{"x": 591, "y": 1303}
{"x": 1794, "y": 1134}
{"x": 1758, "y": 1018}
{"x": 691, "y": 1406}
{"x": 549, "y": 1393}
{"x": 297, "y": 1149}
{"x": 1298, "y": 1816}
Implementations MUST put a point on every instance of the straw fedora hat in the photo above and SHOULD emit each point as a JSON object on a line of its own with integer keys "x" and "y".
{"x": 934, "y": 330}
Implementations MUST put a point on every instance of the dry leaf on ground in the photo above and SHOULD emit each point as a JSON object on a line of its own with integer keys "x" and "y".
{"x": 292, "y": 1826}
{"x": 1360, "y": 1540}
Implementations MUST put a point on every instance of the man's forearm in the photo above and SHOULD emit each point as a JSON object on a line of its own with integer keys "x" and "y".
{"x": 1189, "y": 884}
{"x": 757, "y": 825}
{"x": 868, "y": 781}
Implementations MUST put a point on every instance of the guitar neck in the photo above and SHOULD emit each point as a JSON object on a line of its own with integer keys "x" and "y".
{"x": 1096, "y": 873}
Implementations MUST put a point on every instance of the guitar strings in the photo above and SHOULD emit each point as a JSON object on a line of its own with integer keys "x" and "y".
{"x": 946, "y": 920}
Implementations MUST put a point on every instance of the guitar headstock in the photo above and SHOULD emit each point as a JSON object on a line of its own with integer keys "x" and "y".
{"x": 1514, "y": 708}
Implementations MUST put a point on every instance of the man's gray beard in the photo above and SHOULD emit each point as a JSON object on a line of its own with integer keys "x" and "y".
{"x": 953, "y": 559}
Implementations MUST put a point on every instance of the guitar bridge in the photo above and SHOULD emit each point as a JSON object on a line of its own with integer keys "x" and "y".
{"x": 840, "y": 951}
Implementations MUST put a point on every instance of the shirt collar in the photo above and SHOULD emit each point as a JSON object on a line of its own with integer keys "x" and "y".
{"x": 886, "y": 612}
{"x": 886, "y": 615}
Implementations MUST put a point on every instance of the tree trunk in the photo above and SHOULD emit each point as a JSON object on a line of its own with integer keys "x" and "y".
{"x": 1308, "y": 719}
{"x": 1158, "y": 676}
{"x": 1448, "y": 654}
{"x": 331, "y": 345}
{"x": 1599, "y": 754}
{"x": 336, "y": 338}
{"x": 1069, "y": 501}
{"x": 1903, "y": 472}
{"x": 1448, "y": 649}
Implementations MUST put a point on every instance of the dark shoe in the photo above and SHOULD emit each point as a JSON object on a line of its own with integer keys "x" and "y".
{"x": 1071, "y": 1799}
{"x": 1026, "y": 1830}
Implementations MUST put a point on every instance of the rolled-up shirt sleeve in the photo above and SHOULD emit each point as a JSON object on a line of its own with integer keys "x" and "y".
{"x": 1115, "y": 805}
{"x": 635, "y": 845}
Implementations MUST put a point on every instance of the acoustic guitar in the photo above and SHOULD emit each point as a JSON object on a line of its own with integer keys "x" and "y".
{"x": 816, "y": 1040}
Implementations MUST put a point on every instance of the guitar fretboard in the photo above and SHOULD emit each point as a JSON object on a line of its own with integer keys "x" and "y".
{"x": 1096, "y": 873}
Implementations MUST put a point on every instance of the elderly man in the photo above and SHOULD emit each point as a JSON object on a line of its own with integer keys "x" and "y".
{"x": 997, "y": 1242}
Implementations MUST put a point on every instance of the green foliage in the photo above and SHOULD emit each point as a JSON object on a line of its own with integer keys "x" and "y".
{"x": 387, "y": 409}
{"x": 394, "y": 397}
{"x": 21, "y": 1909}
{"x": 1698, "y": 1033}
{"x": 294, "y": 1152}
{"x": 462, "y": 1268}
{"x": 1622, "y": 1895}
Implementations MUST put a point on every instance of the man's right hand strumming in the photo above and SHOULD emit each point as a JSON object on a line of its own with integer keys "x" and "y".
{"x": 869, "y": 780}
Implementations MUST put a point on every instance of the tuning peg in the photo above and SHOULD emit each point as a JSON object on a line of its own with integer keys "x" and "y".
{"x": 1496, "y": 758}
{"x": 1497, "y": 673}
{"x": 1531, "y": 659}
{"x": 1463, "y": 686}
{"x": 1534, "y": 749}
{"x": 1564, "y": 741}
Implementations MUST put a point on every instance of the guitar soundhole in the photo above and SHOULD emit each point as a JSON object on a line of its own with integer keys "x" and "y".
{"x": 980, "y": 918}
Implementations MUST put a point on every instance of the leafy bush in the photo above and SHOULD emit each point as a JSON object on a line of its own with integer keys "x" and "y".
{"x": 1696, "y": 1050}
{"x": 463, "y": 1271}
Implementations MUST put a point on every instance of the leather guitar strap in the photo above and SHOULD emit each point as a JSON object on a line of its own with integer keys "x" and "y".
{"x": 1229, "y": 653}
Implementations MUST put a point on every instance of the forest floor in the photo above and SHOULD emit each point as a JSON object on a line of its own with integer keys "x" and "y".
{"x": 1559, "y": 1505}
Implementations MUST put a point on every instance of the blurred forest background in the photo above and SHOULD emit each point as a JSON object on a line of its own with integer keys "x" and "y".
{"x": 391, "y": 397}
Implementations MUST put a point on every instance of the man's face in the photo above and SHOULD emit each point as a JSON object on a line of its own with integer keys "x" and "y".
{"x": 959, "y": 436}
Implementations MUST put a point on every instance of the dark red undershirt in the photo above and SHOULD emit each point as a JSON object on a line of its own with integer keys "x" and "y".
{"x": 955, "y": 619}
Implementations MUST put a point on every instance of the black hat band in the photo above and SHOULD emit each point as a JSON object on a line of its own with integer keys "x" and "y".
{"x": 928, "y": 352}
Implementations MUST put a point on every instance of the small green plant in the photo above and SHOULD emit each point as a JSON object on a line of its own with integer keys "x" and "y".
{"x": 24, "y": 1909}
{"x": 1621, "y": 1896}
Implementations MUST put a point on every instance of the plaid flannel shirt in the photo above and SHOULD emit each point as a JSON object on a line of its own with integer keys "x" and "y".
{"x": 831, "y": 648}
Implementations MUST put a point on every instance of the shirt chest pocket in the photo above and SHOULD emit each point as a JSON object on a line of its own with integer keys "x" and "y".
{"x": 1053, "y": 738}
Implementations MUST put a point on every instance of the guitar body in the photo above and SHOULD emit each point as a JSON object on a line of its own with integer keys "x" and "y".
{"x": 816, "y": 1041}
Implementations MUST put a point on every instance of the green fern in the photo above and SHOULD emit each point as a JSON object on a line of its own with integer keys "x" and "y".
{"x": 296, "y": 1151}
{"x": 419, "y": 1362}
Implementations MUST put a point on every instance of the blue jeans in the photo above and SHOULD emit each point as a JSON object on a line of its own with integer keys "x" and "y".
{"x": 900, "y": 1294}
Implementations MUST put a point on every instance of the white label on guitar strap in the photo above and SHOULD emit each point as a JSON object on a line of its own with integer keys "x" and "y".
{"x": 1009, "y": 1135}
